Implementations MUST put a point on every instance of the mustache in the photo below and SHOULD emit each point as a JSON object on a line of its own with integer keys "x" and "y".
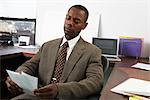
{"x": 67, "y": 27}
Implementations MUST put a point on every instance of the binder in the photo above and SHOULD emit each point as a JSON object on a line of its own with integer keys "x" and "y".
{"x": 130, "y": 47}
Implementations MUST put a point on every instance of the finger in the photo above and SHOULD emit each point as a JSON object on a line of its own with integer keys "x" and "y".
{"x": 15, "y": 92}
{"x": 10, "y": 83}
{"x": 7, "y": 81}
{"x": 14, "y": 88}
{"x": 8, "y": 78}
{"x": 14, "y": 85}
{"x": 8, "y": 86}
{"x": 43, "y": 89}
{"x": 40, "y": 91}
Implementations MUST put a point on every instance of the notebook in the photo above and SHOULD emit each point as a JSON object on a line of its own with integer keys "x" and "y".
{"x": 109, "y": 47}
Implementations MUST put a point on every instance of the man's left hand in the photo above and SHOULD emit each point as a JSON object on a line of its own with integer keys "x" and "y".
{"x": 47, "y": 92}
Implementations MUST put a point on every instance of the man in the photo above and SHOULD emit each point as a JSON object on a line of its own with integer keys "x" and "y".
{"x": 82, "y": 72}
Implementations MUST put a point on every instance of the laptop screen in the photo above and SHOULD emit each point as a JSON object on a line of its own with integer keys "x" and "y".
{"x": 108, "y": 46}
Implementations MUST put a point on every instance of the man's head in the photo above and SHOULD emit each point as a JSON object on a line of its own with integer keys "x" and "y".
{"x": 75, "y": 21}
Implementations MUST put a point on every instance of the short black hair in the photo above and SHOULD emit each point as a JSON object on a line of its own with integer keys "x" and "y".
{"x": 81, "y": 8}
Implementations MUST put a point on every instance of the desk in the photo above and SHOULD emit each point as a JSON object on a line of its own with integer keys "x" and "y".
{"x": 12, "y": 50}
{"x": 10, "y": 55}
{"x": 10, "y": 58}
{"x": 121, "y": 72}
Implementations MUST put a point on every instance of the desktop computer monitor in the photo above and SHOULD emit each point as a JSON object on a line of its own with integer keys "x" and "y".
{"x": 108, "y": 46}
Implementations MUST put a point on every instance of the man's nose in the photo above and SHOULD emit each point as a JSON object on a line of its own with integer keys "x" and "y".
{"x": 70, "y": 23}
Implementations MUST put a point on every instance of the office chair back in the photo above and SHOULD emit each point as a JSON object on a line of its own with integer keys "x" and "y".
{"x": 105, "y": 64}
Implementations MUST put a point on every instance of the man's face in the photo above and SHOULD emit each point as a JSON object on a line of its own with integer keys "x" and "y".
{"x": 74, "y": 23}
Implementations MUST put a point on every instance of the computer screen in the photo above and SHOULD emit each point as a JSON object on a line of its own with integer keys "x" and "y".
{"x": 17, "y": 27}
{"x": 108, "y": 46}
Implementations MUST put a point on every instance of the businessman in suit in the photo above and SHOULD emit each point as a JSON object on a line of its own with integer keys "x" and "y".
{"x": 82, "y": 73}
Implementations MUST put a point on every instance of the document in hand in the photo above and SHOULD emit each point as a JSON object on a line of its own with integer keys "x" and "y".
{"x": 142, "y": 66}
{"x": 133, "y": 86}
{"x": 27, "y": 82}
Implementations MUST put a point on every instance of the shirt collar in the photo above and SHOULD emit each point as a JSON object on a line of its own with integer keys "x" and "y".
{"x": 71, "y": 42}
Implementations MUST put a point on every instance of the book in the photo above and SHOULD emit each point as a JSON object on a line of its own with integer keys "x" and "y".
{"x": 27, "y": 82}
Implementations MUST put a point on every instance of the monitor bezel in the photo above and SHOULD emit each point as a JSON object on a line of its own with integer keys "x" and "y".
{"x": 112, "y": 39}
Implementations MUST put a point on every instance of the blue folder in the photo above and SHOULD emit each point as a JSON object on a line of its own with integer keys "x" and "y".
{"x": 130, "y": 47}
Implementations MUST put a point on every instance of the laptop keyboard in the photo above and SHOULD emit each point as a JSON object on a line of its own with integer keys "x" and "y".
{"x": 113, "y": 57}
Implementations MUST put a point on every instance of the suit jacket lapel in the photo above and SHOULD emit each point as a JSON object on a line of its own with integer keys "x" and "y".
{"x": 72, "y": 60}
{"x": 52, "y": 56}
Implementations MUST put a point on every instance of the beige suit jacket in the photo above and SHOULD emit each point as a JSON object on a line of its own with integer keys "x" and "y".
{"x": 82, "y": 75}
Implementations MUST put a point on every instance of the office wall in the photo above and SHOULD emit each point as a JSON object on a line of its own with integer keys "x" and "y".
{"x": 18, "y": 8}
{"x": 147, "y": 50}
{"x": 108, "y": 18}
{"x": 127, "y": 18}
{"x": 51, "y": 15}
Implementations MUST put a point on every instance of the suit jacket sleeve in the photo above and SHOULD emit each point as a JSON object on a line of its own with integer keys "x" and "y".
{"x": 31, "y": 66}
{"x": 92, "y": 83}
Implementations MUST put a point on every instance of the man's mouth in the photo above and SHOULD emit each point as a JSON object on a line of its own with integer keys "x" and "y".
{"x": 68, "y": 30}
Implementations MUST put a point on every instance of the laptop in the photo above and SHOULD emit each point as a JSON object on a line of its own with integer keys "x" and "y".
{"x": 109, "y": 47}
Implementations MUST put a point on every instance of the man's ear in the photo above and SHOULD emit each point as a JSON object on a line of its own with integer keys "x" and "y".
{"x": 84, "y": 26}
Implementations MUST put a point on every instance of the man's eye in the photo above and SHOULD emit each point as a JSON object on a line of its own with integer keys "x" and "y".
{"x": 68, "y": 17}
{"x": 77, "y": 21}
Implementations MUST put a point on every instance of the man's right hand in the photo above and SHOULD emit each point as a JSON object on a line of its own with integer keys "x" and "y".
{"x": 13, "y": 87}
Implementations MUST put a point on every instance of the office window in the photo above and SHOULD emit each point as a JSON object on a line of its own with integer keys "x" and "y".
{"x": 12, "y": 28}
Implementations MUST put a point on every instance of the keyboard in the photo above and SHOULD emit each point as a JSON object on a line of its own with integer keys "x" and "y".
{"x": 114, "y": 59}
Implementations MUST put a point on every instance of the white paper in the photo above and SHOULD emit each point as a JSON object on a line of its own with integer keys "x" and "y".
{"x": 27, "y": 82}
{"x": 24, "y": 39}
{"x": 29, "y": 47}
{"x": 142, "y": 66}
{"x": 133, "y": 86}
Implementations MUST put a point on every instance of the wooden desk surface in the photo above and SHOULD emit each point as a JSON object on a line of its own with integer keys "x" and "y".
{"x": 121, "y": 72}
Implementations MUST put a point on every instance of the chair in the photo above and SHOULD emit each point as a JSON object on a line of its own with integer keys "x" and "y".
{"x": 105, "y": 64}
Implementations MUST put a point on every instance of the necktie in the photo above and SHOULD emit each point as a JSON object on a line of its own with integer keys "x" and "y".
{"x": 60, "y": 62}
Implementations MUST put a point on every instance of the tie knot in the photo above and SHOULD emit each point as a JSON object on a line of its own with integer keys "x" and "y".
{"x": 65, "y": 45}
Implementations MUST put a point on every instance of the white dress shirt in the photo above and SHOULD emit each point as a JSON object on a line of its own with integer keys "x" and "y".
{"x": 71, "y": 44}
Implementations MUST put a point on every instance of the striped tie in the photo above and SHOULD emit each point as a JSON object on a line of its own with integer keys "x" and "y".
{"x": 61, "y": 59}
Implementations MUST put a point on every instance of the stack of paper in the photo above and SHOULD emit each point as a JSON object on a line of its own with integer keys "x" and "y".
{"x": 133, "y": 86}
{"x": 142, "y": 66}
{"x": 27, "y": 82}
